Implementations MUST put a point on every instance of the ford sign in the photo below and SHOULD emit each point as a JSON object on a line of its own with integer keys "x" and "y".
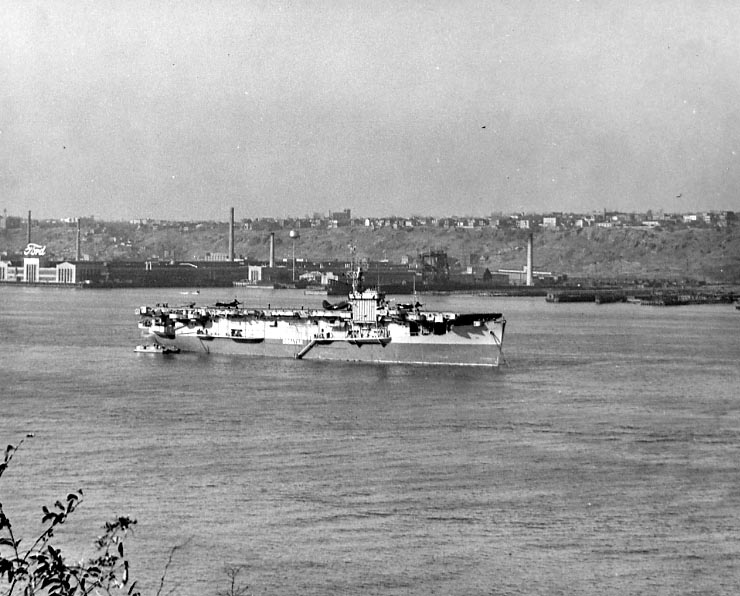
{"x": 34, "y": 250}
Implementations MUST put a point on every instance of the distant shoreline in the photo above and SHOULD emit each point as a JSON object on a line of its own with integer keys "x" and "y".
{"x": 664, "y": 295}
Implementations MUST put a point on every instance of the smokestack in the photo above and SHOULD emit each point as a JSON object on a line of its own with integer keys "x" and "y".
{"x": 28, "y": 235}
{"x": 78, "y": 252}
{"x": 530, "y": 261}
{"x": 231, "y": 235}
{"x": 272, "y": 249}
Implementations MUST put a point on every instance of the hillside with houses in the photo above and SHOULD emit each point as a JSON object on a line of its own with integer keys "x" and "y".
{"x": 701, "y": 247}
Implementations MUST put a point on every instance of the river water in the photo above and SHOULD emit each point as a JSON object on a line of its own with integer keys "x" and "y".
{"x": 602, "y": 459}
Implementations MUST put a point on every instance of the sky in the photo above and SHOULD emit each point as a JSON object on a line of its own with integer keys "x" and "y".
{"x": 181, "y": 109}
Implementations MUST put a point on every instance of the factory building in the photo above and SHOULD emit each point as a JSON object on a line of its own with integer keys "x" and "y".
{"x": 36, "y": 269}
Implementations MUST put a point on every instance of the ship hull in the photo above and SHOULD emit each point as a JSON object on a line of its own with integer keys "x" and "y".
{"x": 410, "y": 353}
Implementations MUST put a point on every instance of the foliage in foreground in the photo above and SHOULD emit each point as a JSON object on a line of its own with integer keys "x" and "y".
{"x": 41, "y": 568}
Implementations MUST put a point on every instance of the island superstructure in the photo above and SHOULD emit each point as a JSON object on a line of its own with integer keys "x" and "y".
{"x": 366, "y": 327}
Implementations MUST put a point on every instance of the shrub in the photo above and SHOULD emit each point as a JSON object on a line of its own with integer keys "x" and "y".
{"x": 41, "y": 568}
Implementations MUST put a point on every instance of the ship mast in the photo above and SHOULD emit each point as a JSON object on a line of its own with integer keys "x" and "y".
{"x": 354, "y": 269}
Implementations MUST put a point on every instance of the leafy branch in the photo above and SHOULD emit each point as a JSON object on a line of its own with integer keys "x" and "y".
{"x": 42, "y": 570}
